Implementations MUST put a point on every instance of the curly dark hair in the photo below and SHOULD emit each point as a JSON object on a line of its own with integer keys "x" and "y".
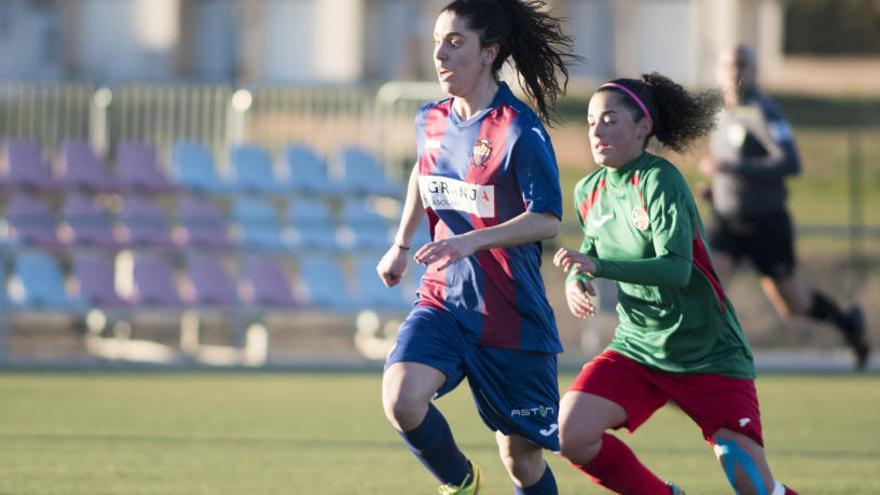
{"x": 529, "y": 35}
{"x": 679, "y": 117}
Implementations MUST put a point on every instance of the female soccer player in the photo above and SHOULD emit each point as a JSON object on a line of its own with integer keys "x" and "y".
{"x": 487, "y": 178}
{"x": 678, "y": 337}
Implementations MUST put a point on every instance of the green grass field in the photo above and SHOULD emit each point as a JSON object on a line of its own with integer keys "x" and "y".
{"x": 304, "y": 433}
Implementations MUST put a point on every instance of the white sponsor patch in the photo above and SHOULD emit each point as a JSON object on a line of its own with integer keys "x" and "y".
{"x": 443, "y": 193}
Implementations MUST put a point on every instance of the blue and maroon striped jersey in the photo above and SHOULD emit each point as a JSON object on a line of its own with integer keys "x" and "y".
{"x": 480, "y": 173}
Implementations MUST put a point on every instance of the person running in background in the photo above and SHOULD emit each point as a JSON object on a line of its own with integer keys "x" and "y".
{"x": 678, "y": 338}
{"x": 752, "y": 153}
{"x": 488, "y": 181}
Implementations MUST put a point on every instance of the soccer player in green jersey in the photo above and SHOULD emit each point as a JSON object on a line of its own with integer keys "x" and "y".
{"x": 678, "y": 337}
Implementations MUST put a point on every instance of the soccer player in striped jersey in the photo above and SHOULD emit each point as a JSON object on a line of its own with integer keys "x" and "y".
{"x": 488, "y": 181}
{"x": 752, "y": 153}
{"x": 678, "y": 337}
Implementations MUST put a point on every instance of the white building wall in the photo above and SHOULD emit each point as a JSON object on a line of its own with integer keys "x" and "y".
{"x": 591, "y": 23}
{"x": 28, "y": 36}
{"x": 112, "y": 49}
{"x": 289, "y": 41}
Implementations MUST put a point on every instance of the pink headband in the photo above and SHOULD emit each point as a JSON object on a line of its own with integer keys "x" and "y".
{"x": 630, "y": 93}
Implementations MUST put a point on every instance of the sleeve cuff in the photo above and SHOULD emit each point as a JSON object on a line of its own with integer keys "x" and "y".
{"x": 578, "y": 277}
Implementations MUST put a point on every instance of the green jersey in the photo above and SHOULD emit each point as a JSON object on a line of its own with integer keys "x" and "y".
{"x": 642, "y": 230}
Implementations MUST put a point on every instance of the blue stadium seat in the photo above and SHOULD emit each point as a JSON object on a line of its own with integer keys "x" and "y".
{"x": 366, "y": 228}
{"x": 361, "y": 172}
{"x": 252, "y": 171}
{"x": 372, "y": 292}
{"x": 257, "y": 224}
{"x": 194, "y": 169}
{"x": 307, "y": 172}
{"x": 313, "y": 225}
{"x": 324, "y": 283}
{"x": 40, "y": 283}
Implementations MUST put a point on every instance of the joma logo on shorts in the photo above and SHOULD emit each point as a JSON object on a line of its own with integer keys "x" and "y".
{"x": 535, "y": 411}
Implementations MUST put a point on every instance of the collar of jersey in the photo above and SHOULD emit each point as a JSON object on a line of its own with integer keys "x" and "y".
{"x": 500, "y": 95}
{"x": 620, "y": 175}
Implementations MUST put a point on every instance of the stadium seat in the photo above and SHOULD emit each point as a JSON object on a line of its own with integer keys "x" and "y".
{"x": 257, "y": 224}
{"x": 210, "y": 282}
{"x": 39, "y": 283}
{"x": 22, "y": 166}
{"x": 324, "y": 283}
{"x": 30, "y": 222}
{"x": 143, "y": 223}
{"x": 95, "y": 275}
{"x": 77, "y": 166}
{"x": 307, "y": 172}
{"x": 313, "y": 224}
{"x": 154, "y": 282}
{"x": 372, "y": 292}
{"x": 194, "y": 169}
{"x": 200, "y": 223}
{"x": 365, "y": 227}
{"x": 360, "y": 172}
{"x": 137, "y": 169}
{"x": 263, "y": 282}
{"x": 85, "y": 222}
{"x": 252, "y": 171}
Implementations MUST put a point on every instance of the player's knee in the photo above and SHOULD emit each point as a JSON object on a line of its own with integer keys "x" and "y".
{"x": 525, "y": 465}
{"x": 404, "y": 412}
{"x": 578, "y": 445}
{"x": 740, "y": 468}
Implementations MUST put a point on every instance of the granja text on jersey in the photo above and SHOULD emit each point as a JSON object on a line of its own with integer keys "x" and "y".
{"x": 460, "y": 189}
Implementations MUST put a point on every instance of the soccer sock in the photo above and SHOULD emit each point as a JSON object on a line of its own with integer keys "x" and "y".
{"x": 433, "y": 445}
{"x": 617, "y": 468}
{"x": 544, "y": 486}
{"x": 823, "y": 308}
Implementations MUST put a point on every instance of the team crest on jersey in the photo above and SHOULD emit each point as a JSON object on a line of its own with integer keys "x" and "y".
{"x": 640, "y": 217}
{"x": 481, "y": 152}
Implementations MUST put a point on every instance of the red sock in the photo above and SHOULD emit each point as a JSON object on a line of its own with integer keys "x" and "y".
{"x": 789, "y": 491}
{"x": 616, "y": 468}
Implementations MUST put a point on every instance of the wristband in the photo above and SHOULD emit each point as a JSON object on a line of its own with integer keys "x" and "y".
{"x": 402, "y": 247}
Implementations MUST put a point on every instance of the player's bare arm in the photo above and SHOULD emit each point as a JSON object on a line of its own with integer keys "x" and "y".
{"x": 393, "y": 263}
{"x": 524, "y": 228}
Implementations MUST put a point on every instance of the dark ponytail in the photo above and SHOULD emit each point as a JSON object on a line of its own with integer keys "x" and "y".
{"x": 532, "y": 37}
{"x": 679, "y": 117}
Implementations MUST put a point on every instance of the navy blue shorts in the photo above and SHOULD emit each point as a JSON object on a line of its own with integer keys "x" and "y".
{"x": 516, "y": 392}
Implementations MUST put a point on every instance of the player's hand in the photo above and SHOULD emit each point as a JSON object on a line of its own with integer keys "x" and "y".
{"x": 445, "y": 252}
{"x": 578, "y": 295}
{"x": 391, "y": 266}
{"x": 569, "y": 259}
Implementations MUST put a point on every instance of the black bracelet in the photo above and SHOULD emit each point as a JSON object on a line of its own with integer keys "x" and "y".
{"x": 402, "y": 247}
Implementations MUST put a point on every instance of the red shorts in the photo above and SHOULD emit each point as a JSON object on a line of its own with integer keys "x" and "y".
{"x": 712, "y": 401}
